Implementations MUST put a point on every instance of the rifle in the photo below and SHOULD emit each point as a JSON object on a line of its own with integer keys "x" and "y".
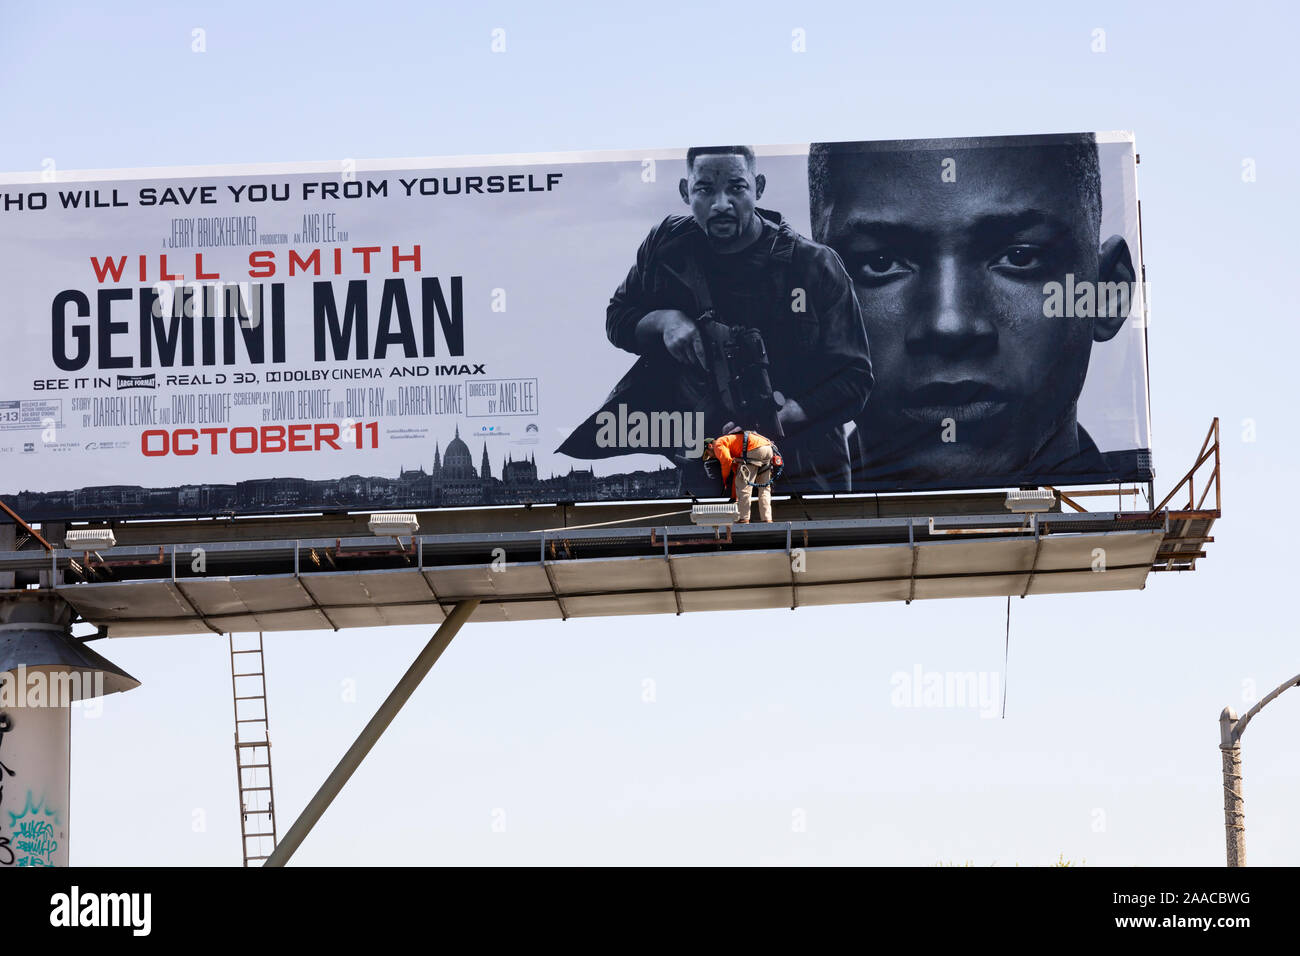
{"x": 738, "y": 365}
{"x": 736, "y": 362}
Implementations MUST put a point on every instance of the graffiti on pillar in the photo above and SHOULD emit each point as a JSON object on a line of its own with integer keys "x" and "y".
{"x": 31, "y": 840}
{"x": 6, "y": 852}
{"x": 33, "y": 833}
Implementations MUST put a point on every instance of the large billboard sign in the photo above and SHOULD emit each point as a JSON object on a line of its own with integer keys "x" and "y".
{"x": 959, "y": 313}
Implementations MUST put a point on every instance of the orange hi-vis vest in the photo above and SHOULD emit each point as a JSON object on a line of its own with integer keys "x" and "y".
{"x": 729, "y": 448}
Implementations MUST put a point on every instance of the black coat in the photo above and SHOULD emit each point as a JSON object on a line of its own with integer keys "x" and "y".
{"x": 819, "y": 355}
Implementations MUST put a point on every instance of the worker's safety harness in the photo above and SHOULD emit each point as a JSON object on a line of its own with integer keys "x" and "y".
{"x": 778, "y": 463}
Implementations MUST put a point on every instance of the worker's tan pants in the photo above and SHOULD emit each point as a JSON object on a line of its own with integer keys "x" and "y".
{"x": 756, "y": 470}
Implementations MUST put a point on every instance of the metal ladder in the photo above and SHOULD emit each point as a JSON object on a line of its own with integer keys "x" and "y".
{"x": 252, "y": 751}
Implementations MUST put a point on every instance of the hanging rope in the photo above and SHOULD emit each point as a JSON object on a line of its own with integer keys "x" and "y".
{"x": 1006, "y": 657}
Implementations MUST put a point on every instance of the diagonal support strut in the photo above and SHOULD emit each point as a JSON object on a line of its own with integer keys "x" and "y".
{"x": 370, "y": 735}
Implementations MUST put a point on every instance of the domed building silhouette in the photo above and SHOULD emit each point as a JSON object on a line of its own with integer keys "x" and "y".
{"x": 455, "y": 481}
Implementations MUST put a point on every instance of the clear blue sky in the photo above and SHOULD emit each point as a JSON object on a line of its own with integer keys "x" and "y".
{"x": 1109, "y": 750}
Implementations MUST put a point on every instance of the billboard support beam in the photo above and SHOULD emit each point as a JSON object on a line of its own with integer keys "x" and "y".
{"x": 789, "y": 554}
{"x": 1038, "y": 549}
{"x": 672, "y": 573}
{"x": 25, "y": 526}
{"x": 315, "y": 601}
{"x": 555, "y": 591}
{"x": 371, "y": 733}
{"x": 175, "y": 586}
{"x": 916, "y": 554}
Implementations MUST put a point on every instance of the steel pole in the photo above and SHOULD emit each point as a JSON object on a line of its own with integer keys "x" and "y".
{"x": 1230, "y": 731}
{"x": 1234, "y": 812}
{"x": 318, "y": 804}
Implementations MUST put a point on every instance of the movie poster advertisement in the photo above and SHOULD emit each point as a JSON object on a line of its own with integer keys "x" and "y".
{"x": 904, "y": 315}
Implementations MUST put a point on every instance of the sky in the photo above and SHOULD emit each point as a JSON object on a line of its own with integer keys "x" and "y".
{"x": 752, "y": 737}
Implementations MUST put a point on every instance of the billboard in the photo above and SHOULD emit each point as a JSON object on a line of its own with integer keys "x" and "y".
{"x": 960, "y": 313}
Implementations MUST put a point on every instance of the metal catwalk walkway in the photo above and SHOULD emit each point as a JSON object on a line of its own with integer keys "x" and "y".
{"x": 355, "y": 581}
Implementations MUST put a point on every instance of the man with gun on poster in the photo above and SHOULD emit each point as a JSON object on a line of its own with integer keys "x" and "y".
{"x": 743, "y": 323}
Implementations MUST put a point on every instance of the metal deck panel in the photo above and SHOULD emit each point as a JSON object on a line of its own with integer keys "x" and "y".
{"x": 455, "y": 582}
{"x": 855, "y": 562}
{"x": 963, "y": 555}
{"x": 994, "y": 585}
{"x": 609, "y": 605}
{"x": 866, "y": 593}
{"x": 517, "y": 611}
{"x": 587, "y": 575}
{"x": 1121, "y": 548}
{"x": 968, "y": 565}
{"x": 1078, "y": 582}
{"x": 736, "y": 599}
{"x": 726, "y": 569}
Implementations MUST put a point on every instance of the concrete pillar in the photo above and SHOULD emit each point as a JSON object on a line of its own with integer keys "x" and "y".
{"x": 43, "y": 670}
{"x": 35, "y": 746}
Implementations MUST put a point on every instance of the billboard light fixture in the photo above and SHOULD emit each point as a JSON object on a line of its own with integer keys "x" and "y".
{"x": 1027, "y": 502}
{"x": 90, "y": 539}
{"x": 393, "y": 525}
{"x": 721, "y": 514}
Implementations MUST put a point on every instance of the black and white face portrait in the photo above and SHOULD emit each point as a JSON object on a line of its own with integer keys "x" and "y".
{"x": 953, "y": 252}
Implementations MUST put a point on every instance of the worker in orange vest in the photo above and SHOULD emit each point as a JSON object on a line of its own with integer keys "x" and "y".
{"x": 748, "y": 461}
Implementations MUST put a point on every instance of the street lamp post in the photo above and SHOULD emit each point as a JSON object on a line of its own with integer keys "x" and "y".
{"x": 1234, "y": 814}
